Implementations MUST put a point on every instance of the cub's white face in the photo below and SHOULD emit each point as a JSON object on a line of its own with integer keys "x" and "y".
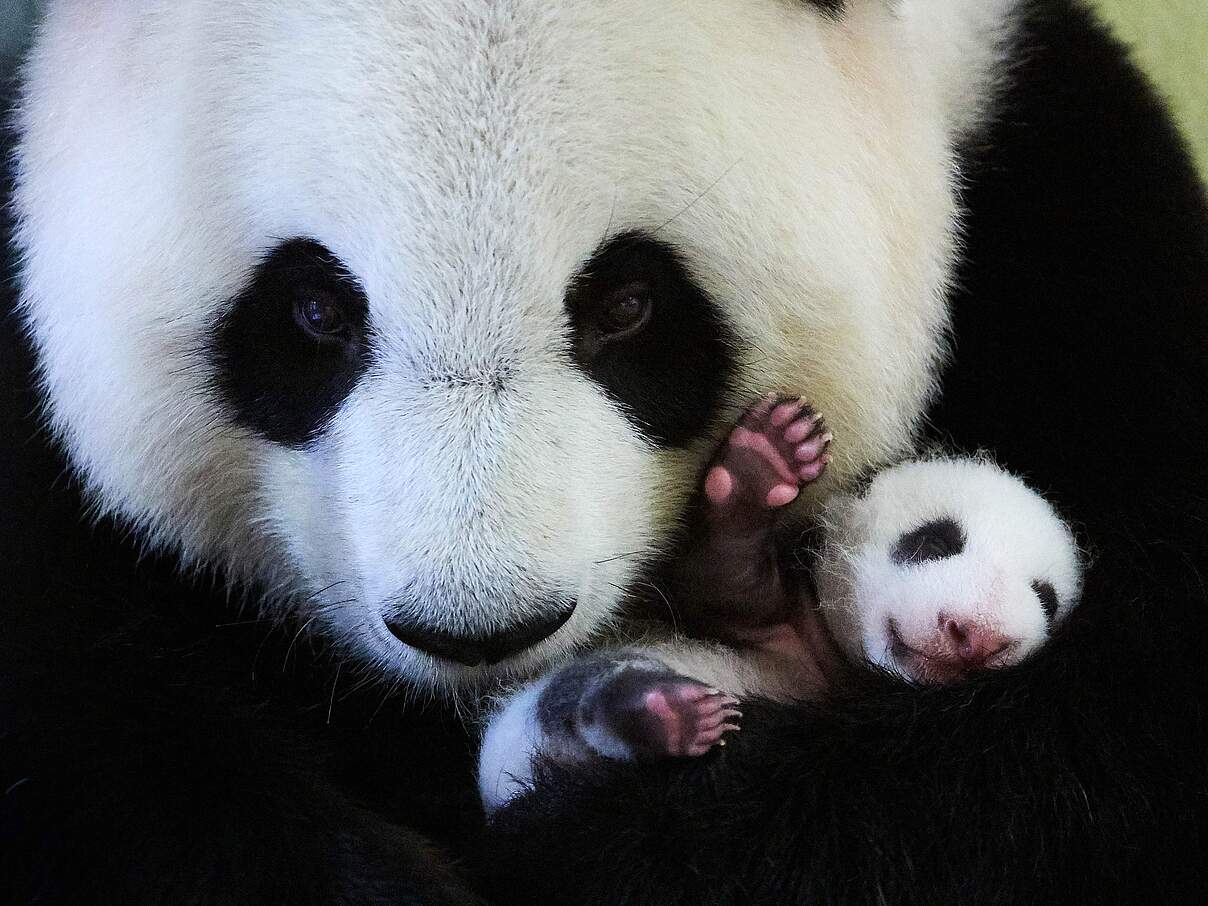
{"x": 945, "y": 566}
{"x": 425, "y": 315}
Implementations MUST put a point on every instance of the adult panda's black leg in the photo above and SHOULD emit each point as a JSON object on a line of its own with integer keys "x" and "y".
{"x": 130, "y": 773}
{"x": 1081, "y": 776}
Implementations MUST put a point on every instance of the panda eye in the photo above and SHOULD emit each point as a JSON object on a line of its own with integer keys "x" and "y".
{"x": 650, "y": 337}
{"x": 320, "y": 315}
{"x": 293, "y": 343}
{"x": 1048, "y": 597}
{"x": 625, "y": 312}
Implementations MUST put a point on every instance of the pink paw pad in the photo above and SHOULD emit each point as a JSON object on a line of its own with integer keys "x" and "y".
{"x": 777, "y": 446}
{"x": 692, "y": 718}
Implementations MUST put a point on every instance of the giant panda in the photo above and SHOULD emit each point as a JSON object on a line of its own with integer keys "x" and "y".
{"x": 325, "y": 416}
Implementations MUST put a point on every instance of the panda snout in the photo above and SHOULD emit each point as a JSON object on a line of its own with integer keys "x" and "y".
{"x": 473, "y": 650}
{"x": 957, "y": 648}
{"x": 970, "y": 644}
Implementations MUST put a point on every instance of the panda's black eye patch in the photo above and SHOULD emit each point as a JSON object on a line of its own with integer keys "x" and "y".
{"x": 1048, "y": 597}
{"x": 650, "y": 337}
{"x": 293, "y": 343}
{"x": 935, "y": 540}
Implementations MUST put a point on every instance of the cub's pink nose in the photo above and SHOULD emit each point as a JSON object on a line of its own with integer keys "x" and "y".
{"x": 969, "y": 643}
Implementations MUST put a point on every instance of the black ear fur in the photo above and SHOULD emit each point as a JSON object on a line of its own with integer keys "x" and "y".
{"x": 1081, "y": 326}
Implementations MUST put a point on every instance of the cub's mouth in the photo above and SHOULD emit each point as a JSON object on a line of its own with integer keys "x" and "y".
{"x": 956, "y": 651}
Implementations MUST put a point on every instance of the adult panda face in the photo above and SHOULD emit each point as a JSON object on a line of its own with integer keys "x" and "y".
{"x": 426, "y": 316}
{"x": 466, "y": 479}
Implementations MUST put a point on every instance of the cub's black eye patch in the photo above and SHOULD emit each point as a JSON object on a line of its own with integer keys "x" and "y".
{"x": 1048, "y": 597}
{"x": 293, "y": 344}
{"x": 935, "y": 540}
{"x": 650, "y": 337}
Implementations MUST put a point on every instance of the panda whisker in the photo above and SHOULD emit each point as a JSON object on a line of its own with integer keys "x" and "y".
{"x": 613, "y": 559}
{"x": 322, "y": 591}
{"x": 368, "y": 678}
{"x": 611, "y": 213}
{"x": 331, "y": 702}
{"x": 259, "y": 652}
{"x": 386, "y": 696}
{"x": 234, "y": 623}
{"x": 648, "y": 583}
{"x": 690, "y": 205}
{"x": 288, "y": 651}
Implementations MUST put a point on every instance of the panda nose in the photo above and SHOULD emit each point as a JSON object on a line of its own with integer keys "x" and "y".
{"x": 473, "y": 650}
{"x": 971, "y": 644}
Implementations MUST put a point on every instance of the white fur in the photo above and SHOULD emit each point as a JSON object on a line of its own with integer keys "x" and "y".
{"x": 464, "y": 158}
{"x": 505, "y": 761}
{"x": 1013, "y": 537}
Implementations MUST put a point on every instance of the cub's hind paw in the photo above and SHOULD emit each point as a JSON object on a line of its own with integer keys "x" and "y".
{"x": 686, "y": 719}
{"x": 638, "y": 709}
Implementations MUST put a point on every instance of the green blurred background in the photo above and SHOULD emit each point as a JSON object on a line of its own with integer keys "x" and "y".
{"x": 1170, "y": 38}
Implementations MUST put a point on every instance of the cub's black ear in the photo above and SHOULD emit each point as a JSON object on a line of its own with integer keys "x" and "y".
{"x": 1048, "y": 597}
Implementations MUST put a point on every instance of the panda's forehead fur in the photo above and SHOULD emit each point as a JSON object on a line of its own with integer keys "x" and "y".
{"x": 464, "y": 161}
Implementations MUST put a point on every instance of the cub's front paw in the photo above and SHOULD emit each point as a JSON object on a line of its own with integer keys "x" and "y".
{"x": 777, "y": 446}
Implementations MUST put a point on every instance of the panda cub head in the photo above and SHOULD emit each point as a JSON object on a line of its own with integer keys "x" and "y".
{"x": 944, "y": 567}
{"x": 425, "y": 316}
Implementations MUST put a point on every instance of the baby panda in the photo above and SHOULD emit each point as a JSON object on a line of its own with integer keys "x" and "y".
{"x": 936, "y": 569}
